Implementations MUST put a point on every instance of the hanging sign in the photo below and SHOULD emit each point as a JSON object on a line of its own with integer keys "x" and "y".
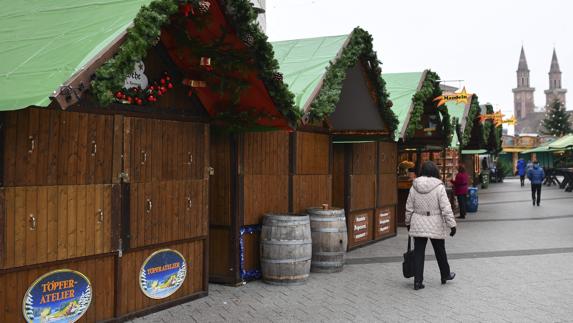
{"x": 459, "y": 97}
{"x": 162, "y": 273}
{"x": 497, "y": 119}
{"x": 58, "y": 296}
{"x": 137, "y": 78}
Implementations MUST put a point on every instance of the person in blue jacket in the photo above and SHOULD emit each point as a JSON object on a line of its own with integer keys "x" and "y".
{"x": 536, "y": 175}
{"x": 521, "y": 168}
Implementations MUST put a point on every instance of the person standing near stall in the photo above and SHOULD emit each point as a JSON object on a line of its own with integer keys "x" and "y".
{"x": 521, "y": 167}
{"x": 428, "y": 215}
{"x": 461, "y": 189}
{"x": 536, "y": 175}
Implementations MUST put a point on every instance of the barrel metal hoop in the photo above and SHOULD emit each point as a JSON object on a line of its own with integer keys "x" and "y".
{"x": 287, "y": 242}
{"x": 285, "y": 223}
{"x": 329, "y": 230}
{"x": 285, "y": 261}
{"x": 329, "y": 253}
{"x": 327, "y": 263}
{"x": 321, "y": 219}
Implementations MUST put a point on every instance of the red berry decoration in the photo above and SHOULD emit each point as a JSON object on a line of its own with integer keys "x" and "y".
{"x": 169, "y": 86}
{"x": 278, "y": 77}
{"x": 162, "y": 81}
{"x": 168, "y": 78}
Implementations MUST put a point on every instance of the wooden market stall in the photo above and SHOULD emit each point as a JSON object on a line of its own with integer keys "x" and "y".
{"x": 423, "y": 128}
{"x": 258, "y": 172}
{"x": 342, "y": 151}
{"x": 107, "y": 184}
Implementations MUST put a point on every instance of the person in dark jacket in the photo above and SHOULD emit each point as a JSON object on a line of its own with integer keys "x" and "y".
{"x": 536, "y": 175}
{"x": 521, "y": 168}
{"x": 461, "y": 189}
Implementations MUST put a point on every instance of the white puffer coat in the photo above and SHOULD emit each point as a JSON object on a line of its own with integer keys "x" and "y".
{"x": 428, "y": 196}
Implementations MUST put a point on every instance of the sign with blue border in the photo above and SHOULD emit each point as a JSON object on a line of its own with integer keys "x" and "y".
{"x": 58, "y": 296}
{"x": 162, "y": 273}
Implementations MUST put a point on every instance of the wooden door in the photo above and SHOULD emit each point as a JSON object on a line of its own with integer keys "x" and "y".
{"x": 167, "y": 211}
{"x": 162, "y": 150}
{"x": 49, "y": 147}
{"x": 50, "y": 223}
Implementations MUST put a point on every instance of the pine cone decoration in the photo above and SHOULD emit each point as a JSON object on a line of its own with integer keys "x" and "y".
{"x": 203, "y": 7}
{"x": 278, "y": 77}
{"x": 389, "y": 104}
{"x": 248, "y": 40}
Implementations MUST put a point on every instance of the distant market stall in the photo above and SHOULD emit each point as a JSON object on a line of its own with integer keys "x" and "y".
{"x": 424, "y": 128}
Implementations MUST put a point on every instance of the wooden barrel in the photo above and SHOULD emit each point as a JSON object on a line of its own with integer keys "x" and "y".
{"x": 329, "y": 239}
{"x": 286, "y": 249}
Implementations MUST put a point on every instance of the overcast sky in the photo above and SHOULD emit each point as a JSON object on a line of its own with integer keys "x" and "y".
{"x": 477, "y": 41}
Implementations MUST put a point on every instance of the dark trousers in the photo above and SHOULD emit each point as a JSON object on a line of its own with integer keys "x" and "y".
{"x": 522, "y": 179}
{"x": 440, "y": 252}
{"x": 536, "y": 190}
{"x": 462, "y": 203}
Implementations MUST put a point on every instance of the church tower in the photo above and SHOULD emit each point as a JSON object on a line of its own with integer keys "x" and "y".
{"x": 555, "y": 92}
{"x": 523, "y": 93}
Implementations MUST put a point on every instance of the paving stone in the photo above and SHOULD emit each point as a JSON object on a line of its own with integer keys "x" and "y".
{"x": 511, "y": 266}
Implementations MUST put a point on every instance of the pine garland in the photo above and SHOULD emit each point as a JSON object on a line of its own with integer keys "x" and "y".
{"x": 358, "y": 49}
{"x": 473, "y": 114}
{"x": 488, "y": 125}
{"x": 424, "y": 97}
{"x": 145, "y": 33}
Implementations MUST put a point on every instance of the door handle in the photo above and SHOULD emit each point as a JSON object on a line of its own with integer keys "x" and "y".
{"x": 189, "y": 203}
{"x": 189, "y": 158}
{"x": 32, "y": 144}
{"x": 148, "y": 206}
{"x": 33, "y": 222}
{"x": 143, "y": 157}
{"x": 100, "y": 216}
{"x": 94, "y": 148}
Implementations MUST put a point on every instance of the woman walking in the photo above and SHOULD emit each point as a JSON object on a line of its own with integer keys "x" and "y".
{"x": 428, "y": 215}
{"x": 461, "y": 189}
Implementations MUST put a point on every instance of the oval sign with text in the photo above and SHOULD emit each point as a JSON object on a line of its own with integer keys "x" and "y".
{"x": 58, "y": 296}
{"x": 162, "y": 273}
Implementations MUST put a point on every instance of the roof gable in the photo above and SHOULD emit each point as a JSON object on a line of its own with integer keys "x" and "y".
{"x": 34, "y": 61}
{"x": 356, "y": 109}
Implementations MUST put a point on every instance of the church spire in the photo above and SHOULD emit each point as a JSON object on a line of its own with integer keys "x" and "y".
{"x": 554, "y": 63}
{"x": 522, "y": 67}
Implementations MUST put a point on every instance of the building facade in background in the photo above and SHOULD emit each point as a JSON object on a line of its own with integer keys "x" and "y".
{"x": 528, "y": 120}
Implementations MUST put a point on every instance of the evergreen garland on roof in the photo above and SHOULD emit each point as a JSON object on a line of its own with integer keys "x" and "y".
{"x": 358, "y": 49}
{"x": 473, "y": 114}
{"x": 146, "y": 32}
{"x": 423, "y": 98}
{"x": 487, "y": 125}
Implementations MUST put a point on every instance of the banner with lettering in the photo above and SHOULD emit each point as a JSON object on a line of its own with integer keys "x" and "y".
{"x": 162, "y": 273}
{"x": 58, "y": 296}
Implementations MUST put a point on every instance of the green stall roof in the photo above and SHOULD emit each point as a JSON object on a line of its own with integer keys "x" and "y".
{"x": 562, "y": 143}
{"x": 401, "y": 88}
{"x": 303, "y": 63}
{"x": 474, "y": 152}
{"x": 43, "y": 43}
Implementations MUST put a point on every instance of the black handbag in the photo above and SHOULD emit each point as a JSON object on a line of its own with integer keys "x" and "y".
{"x": 408, "y": 264}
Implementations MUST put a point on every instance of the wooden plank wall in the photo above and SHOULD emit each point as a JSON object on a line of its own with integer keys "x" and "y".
{"x": 50, "y": 147}
{"x": 311, "y": 179}
{"x": 263, "y": 174}
{"x": 132, "y": 299}
{"x": 99, "y": 270}
{"x": 222, "y": 252}
{"x": 51, "y": 223}
{"x": 385, "y": 216}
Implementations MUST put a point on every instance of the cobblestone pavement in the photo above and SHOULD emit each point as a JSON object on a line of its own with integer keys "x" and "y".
{"x": 513, "y": 263}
